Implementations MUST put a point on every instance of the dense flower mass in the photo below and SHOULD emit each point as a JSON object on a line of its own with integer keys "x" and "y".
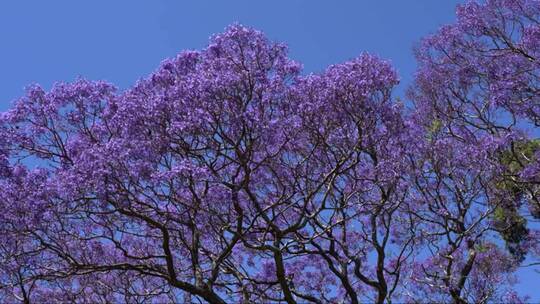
{"x": 228, "y": 176}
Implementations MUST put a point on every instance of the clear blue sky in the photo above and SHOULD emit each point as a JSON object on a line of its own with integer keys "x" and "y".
{"x": 121, "y": 41}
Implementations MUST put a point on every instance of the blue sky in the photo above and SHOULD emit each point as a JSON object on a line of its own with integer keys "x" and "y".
{"x": 122, "y": 41}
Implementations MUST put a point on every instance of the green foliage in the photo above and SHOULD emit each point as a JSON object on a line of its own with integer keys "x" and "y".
{"x": 513, "y": 229}
{"x": 510, "y": 224}
{"x": 434, "y": 128}
{"x": 520, "y": 154}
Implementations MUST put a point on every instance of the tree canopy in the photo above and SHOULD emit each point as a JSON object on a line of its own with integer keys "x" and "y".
{"x": 229, "y": 176}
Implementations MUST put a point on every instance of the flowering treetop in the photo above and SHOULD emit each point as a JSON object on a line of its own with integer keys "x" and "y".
{"x": 227, "y": 175}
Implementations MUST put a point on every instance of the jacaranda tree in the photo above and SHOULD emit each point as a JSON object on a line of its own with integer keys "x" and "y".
{"x": 479, "y": 82}
{"x": 228, "y": 176}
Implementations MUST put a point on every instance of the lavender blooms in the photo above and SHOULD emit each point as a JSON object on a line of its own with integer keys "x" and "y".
{"x": 227, "y": 175}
